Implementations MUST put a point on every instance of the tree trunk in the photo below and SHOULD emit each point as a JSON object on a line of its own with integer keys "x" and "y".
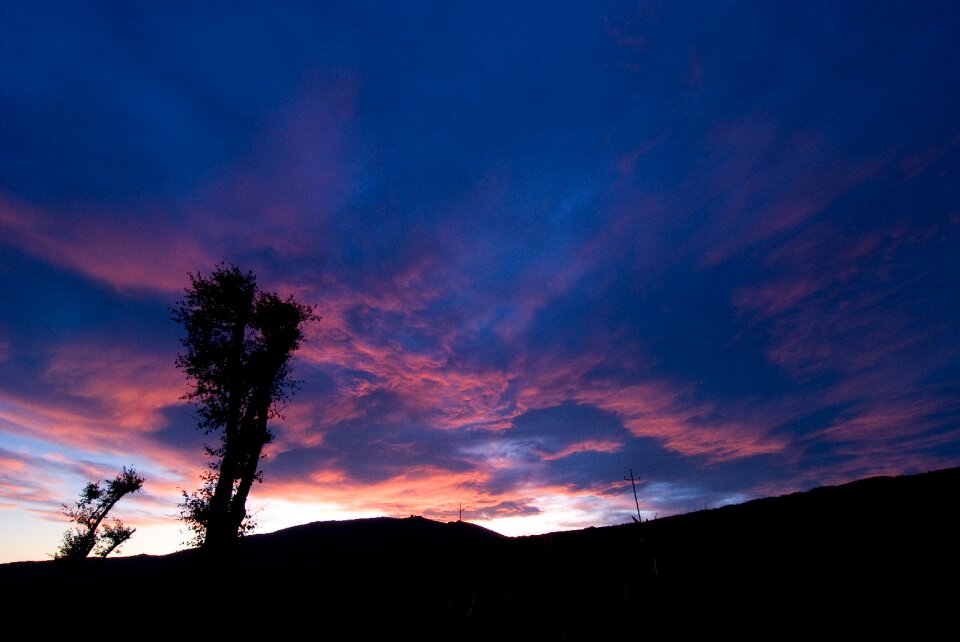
{"x": 218, "y": 533}
{"x": 254, "y": 437}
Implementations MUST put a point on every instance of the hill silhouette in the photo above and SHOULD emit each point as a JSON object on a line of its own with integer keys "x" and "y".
{"x": 869, "y": 555}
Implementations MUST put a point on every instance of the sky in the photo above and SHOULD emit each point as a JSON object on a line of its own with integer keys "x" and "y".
{"x": 714, "y": 243}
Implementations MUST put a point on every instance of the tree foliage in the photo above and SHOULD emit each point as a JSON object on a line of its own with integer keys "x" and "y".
{"x": 238, "y": 344}
{"x": 89, "y": 513}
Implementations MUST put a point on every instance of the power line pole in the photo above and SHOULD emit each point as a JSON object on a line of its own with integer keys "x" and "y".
{"x": 634, "y": 484}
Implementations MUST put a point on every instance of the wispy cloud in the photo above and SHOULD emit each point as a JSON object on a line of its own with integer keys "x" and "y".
{"x": 143, "y": 253}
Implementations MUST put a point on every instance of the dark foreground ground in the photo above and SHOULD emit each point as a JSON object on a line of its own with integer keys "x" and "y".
{"x": 880, "y": 555}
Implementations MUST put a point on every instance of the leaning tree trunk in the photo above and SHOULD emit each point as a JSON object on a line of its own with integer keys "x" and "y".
{"x": 248, "y": 473}
{"x": 219, "y": 534}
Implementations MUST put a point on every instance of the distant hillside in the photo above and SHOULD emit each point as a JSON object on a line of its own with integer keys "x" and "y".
{"x": 864, "y": 556}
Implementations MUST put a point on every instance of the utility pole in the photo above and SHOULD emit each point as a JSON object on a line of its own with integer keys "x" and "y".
{"x": 461, "y": 513}
{"x": 634, "y": 484}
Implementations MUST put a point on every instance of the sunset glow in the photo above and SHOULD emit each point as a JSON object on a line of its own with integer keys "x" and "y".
{"x": 717, "y": 245}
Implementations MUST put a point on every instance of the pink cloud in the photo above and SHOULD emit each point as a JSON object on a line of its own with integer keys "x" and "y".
{"x": 109, "y": 401}
{"x": 659, "y": 410}
{"x": 906, "y": 422}
{"x": 130, "y": 388}
{"x": 881, "y": 439}
{"x": 446, "y": 396}
{"x": 86, "y": 431}
{"x": 816, "y": 260}
{"x": 620, "y": 35}
{"x": 586, "y": 446}
{"x": 821, "y": 307}
{"x": 762, "y": 192}
{"x": 626, "y": 163}
{"x": 429, "y": 382}
{"x": 912, "y": 165}
{"x": 421, "y": 490}
{"x": 36, "y": 483}
{"x": 248, "y": 207}
{"x": 821, "y": 315}
{"x": 23, "y": 480}
{"x": 142, "y": 253}
{"x": 437, "y": 392}
{"x": 296, "y": 175}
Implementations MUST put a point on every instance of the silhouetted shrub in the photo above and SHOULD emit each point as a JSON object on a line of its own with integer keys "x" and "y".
{"x": 90, "y": 511}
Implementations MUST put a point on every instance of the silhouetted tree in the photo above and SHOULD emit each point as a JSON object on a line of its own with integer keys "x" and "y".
{"x": 90, "y": 511}
{"x": 238, "y": 346}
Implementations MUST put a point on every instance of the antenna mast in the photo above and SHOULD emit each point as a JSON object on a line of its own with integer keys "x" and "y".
{"x": 634, "y": 484}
